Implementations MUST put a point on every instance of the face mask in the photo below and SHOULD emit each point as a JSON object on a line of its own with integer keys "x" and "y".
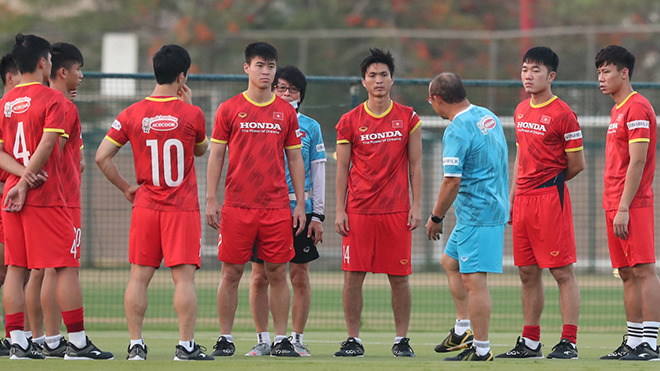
{"x": 294, "y": 104}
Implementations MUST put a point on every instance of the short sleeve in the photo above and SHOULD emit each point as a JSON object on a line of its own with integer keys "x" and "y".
{"x": 221, "y": 126}
{"x": 317, "y": 148}
{"x": 638, "y": 123}
{"x": 117, "y": 133}
{"x": 293, "y": 134}
{"x": 53, "y": 122}
{"x": 415, "y": 123}
{"x": 200, "y": 127}
{"x": 454, "y": 152}
{"x": 572, "y": 133}
{"x": 344, "y": 132}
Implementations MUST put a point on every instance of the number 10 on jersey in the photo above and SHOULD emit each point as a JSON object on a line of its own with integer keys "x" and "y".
{"x": 167, "y": 161}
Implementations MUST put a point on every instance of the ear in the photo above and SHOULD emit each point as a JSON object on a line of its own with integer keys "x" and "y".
{"x": 551, "y": 76}
{"x": 625, "y": 73}
{"x": 61, "y": 73}
{"x": 363, "y": 84}
{"x": 42, "y": 62}
{"x": 246, "y": 67}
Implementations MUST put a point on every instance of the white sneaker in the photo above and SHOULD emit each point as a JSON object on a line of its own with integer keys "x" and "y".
{"x": 261, "y": 349}
{"x": 301, "y": 349}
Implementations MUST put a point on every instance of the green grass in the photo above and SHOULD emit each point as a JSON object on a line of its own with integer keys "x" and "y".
{"x": 324, "y": 344}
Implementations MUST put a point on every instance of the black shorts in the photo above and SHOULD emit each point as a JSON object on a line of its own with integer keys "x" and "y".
{"x": 305, "y": 249}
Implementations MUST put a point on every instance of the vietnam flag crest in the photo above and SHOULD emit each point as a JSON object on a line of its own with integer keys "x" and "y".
{"x": 278, "y": 116}
{"x": 397, "y": 124}
{"x": 545, "y": 119}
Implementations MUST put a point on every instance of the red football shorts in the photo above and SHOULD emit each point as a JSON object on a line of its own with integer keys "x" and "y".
{"x": 76, "y": 219}
{"x": 377, "y": 243}
{"x": 542, "y": 229}
{"x": 175, "y": 236}
{"x": 40, "y": 237}
{"x": 639, "y": 247}
{"x": 241, "y": 228}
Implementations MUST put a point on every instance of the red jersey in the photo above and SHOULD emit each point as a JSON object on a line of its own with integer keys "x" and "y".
{"x": 163, "y": 132}
{"x": 256, "y": 135}
{"x": 544, "y": 134}
{"x": 29, "y": 111}
{"x": 378, "y": 179}
{"x": 631, "y": 121}
{"x": 71, "y": 177}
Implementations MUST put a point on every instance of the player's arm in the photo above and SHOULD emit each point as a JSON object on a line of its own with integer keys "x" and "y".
{"x": 62, "y": 142}
{"x": 575, "y": 164}
{"x": 446, "y": 196}
{"x": 317, "y": 170}
{"x": 16, "y": 196}
{"x": 341, "y": 187}
{"x": 213, "y": 173}
{"x": 297, "y": 172}
{"x": 10, "y": 165}
{"x": 638, "y": 152}
{"x": 200, "y": 148}
{"x": 83, "y": 164}
{"x": 514, "y": 182}
{"x": 104, "y": 159}
{"x": 415, "y": 173}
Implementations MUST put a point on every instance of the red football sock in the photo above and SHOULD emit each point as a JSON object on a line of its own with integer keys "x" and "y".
{"x": 74, "y": 320}
{"x": 569, "y": 332}
{"x": 15, "y": 322}
{"x": 532, "y": 332}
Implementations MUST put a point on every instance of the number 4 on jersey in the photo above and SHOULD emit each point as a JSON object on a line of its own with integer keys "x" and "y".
{"x": 21, "y": 152}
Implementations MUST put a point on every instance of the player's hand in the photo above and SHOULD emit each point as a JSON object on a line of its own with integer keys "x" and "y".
{"x": 213, "y": 209}
{"x": 16, "y": 197}
{"x": 341, "y": 224}
{"x": 130, "y": 193}
{"x": 414, "y": 219}
{"x": 185, "y": 94}
{"x": 433, "y": 230}
{"x": 510, "y": 213}
{"x": 315, "y": 231}
{"x": 620, "y": 224}
{"x": 299, "y": 218}
{"x": 35, "y": 180}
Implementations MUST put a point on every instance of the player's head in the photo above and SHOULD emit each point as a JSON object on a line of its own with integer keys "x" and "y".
{"x": 31, "y": 53}
{"x": 9, "y": 72}
{"x": 261, "y": 50}
{"x": 290, "y": 85}
{"x": 618, "y": 56}
{"x": 539, "y": 69}
{"x": 171, "y": 62}
{"x": 377, "y": 56}
{"x": 67, "y": 62}
{"x": 377, "y": 73}
{"x": 445, "y": 90}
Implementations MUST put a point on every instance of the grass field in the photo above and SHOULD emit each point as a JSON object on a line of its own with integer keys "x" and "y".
{"x": 433, "y": 309}
{"x": 324, "y": 344}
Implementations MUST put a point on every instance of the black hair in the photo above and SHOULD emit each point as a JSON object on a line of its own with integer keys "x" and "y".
{"x": 293, "y": 76}
{"x": 618, "y": 56}
{"x": 7, "y": 65}
{"x": 28, "y": 50}
{"x": 449, "y": 87}
{"x": 169, "y": 62}
{"x": 544, "y": 56}
{"x": 377, "y": 56}
{"x": 65, "y": 55}
{"x": 260, "y": 49}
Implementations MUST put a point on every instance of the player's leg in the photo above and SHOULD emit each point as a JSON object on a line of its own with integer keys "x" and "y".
{"x": 650, "y": 297}
{"x": 279, "y": 297}
{"x": 13, "y": 304}
{"x": 55, "y": 344}
{"x": 460, "y": 336}
{"x": 228, "y": 295}
{"x": 302, "y": 296}
{"x": 569, "y": 300}
{"x": 135, "y": 298}
{"x": 401, "y": 303}
{"x": 479, "y": 306}
{"x": 353, "y": 302}
{"x": 259, "y": 297}
{"x": 33, "y": 305}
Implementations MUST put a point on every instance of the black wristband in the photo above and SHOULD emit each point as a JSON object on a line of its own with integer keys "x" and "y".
{"x": 437, "y": 219}
{"x": 320, "y": 216}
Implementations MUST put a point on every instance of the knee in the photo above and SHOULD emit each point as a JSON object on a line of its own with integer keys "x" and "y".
{"x": 626, "y": 275}
{"x": 299, "y": 279}
{"x": 644, "y": 272}
{"x": 563, "y": 275}
{"x": 259, "y": 280}
{"x": 450, "y": 265}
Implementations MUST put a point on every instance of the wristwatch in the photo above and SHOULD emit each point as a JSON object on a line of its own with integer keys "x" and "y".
{"x": 320, "y": 216}
{"x": 437, "y": 219}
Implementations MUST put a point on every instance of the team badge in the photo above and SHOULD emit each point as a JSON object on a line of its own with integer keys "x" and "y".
{"x": 242, "y": 115}
{"x": 159, "y": 123}
{"x": 520, "y": 116}
{"x": 397, "y": 124}
{"x": 486, "y": 123}
{"x": 278, "y": 116}
{"x": 18, "y": 105}
{"x": 545, "y": 119}
{"x": 363, "y": 129}
{"x": 619, "y": 118}
{"x": 554, "y": 253}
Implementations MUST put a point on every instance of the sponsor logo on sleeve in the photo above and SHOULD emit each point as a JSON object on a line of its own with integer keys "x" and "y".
{"x": 320, "y": 148}
{"x": 115, "y": 125}
{"x": 486, "y": 123}
{"x": 18, "y": 105}
{"x": 278, "y": 116}
{"x": 451, "y": 161}
{"x": 397, "y": 124}
{"x": 574, "y": 135}
{"x": 545, "y": 119}
{"x": 638, "y": 124}
{"x": 159, "y": 123}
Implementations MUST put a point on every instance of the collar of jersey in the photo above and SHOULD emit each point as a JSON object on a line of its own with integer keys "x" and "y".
{"x": 161, "y": 99}
{"x": 542, "y": 104}
{"x": 463, "y": 111}
{"x": 272, "y": 99}
{"x": 27, "y": 84}
{"x": 382, "y": 114}
{"x": 625, "y": 100}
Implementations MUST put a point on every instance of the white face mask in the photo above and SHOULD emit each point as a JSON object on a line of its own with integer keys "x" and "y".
{"x": 294, "y": 104}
